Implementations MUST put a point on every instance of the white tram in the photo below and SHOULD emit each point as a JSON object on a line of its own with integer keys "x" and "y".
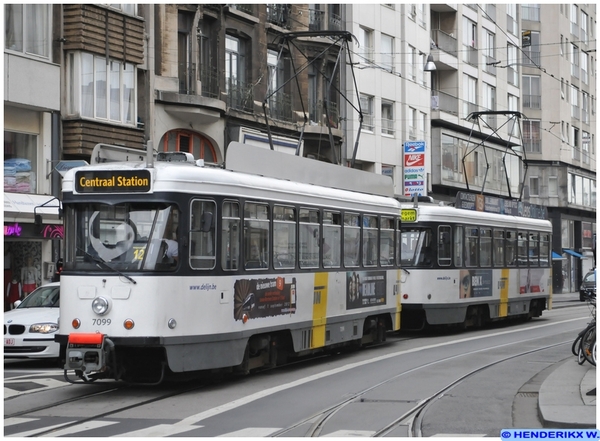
{"x": 470, "y": 267}
{"x": 175, "y": 266}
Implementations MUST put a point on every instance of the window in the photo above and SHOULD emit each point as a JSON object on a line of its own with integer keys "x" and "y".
{"x": 230, "y": 236}
{"x": 534, "y": 186}
{"x": 489, "y": 97}
{"x": 309, "y": 238}
{"x": 387, "y": 52}
{"x": 522, "y": 257}
{"x": 575, "y": 143}
{"x": 411, "y": 63}
{"x": 235, "y": 73}
{"x": 574, "y": 61}
{"x": 471, "y": 242}
{"x": 552, "y": 186}
{"x": 585, "y": 147}
{"x": 412, "y": 123}
{"x": 191, "y": 142}
{"x": 256, "y": 235}
{"x": 544, "y": 249}
{"x": 511, "y": 18}
{"x": 498, "y": 248}
{"x": 185, "y": 67}
{"x": 366, "y": 104}
{"x": 386, "y": 244}
{"x": 574, "y": 17}
{"x": 101, "y": 90}
{"x": 584, "y": 23}
{"x": 27, "y": 29}
{"x": 370, "y": 241}
{"x": 485, "y": 244}
{"x": 279, "y": 101}
{"x": 332, "y": 239}
{"x": 511, "y": 248}
{"x": 531, "y": 54}
{"x": 489, "y": 52}
{"x": 530, "y": 12}
{"x": 458, "y": 246}
{"x": 351, "y": 239}
{"x": 469, "y": 41}
{"x": 365, "y": 41}
{"x": 444, "y": 253}
{"x": 470, "y": 95}
{"x": 513, "y": 105}
{"x": 512, "y": 70}
{"x": 202, "y": 234}
{"x": 584, "y": 67}
{"x": 387, "y": 117}
{"x": 20, "y": 159}
{"x": 532, "y": 93}
{"x": 534, "y": 249}
{"x": 574, "y": 102}
{"x": 531, "y": 136}
{"x": 284, "y": 237}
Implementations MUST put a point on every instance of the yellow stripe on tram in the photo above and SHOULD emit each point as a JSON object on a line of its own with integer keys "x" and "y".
{"x": 503, "y": 311}
{"x": 319, "y": 310}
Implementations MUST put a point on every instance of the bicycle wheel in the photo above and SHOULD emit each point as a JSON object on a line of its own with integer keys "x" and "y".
{"x": 576, "y": 345}
{"x": 587, "y": 345}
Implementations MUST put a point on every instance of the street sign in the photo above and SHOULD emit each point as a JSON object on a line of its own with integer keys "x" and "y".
{"x": 64, "y": 166}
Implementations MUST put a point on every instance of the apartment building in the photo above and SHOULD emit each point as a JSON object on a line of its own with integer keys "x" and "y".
{"x": 353, "y": 84}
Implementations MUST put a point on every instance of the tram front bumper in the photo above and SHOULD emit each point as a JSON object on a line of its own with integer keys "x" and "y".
{"x": 86, "y": 352}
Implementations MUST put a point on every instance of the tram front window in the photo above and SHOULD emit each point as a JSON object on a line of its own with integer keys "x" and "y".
{"x": 416, "y": 247}
{"x": 124, "y": 237}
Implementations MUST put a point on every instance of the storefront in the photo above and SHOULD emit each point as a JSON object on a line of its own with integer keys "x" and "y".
{"x": 30, "y": 249}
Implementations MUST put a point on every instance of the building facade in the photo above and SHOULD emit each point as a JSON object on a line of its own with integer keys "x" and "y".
{"x": 358, "y": 85}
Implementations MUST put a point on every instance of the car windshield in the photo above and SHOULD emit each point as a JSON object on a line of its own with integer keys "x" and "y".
{"x": 43, "y": 297}
{"x": 590, "y": 277}
{"x": 122, "y": 237}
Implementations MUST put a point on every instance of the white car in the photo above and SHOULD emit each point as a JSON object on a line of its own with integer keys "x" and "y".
{"x": 29, "y": 328}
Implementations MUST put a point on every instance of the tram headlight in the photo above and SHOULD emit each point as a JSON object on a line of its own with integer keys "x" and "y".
{"x": 100, "y": 305}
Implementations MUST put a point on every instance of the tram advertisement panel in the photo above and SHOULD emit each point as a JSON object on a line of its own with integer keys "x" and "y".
{"x": 475, "y": 283}
{"x": 365, "y": 288}
{"x": 533, "y": 280}
{"x": 257, "y": 298}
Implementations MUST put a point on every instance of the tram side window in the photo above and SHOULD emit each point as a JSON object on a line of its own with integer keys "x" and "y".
{"x": 351, "y": 239}
{"x": 230, "y": 236}
{"x": 284, "y": 237}
{"x": 256, "y": 235}
{"x": 202, "y": 235}
{"x": 370, "y": 240}
{"x": 511, "y": 248}
{"x": 309, "y": 238}
{"x": 332, "y": 239}
{"x": 522, "y": 248}
{"x": 472, "y": 251}
{"x": 485, "y": 245}
{"x": 458, "y": 246}
{"x": 544, "y": 249}
{"x": 444, "y": 245}
{"x": 534, "y": 249}
{"x": 386, "y": 242}
{"x": 498, "y": 248}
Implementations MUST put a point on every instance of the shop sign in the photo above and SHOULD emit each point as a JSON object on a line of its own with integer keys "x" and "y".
{"x": 13, "y": 230}
{"x": 30, "y": 231}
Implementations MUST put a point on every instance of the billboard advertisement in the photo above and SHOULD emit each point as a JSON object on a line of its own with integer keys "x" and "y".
{"x": 415, "y": 175}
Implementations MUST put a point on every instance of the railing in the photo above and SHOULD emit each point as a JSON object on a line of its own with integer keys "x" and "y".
{"x": 240, "y": 96}
{"x": 187, "y": 79}
{"x": 531, "y": 58}
{"x": 530, "y": 13}
{"x": 280, "y": 106}
{"x": 209, "y": 78}
{"x": 532, "y": 145}
{"x": 532, "y": 101}
{"x": 444, "y": 102}
{"x": 470, "y": 55}
{"x": 243, "y": 7}
{"x": 488, "y": 66}
{"x": 444, "y": 41}
{"x": 278, "y": 14}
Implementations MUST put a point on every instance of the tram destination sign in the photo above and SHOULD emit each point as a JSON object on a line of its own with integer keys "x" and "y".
{"x": 491, "y": 204}
{"x": 112, "y": 181}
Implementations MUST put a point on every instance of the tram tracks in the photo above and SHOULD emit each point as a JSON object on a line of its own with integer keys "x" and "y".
{"x": 411, "y": 418}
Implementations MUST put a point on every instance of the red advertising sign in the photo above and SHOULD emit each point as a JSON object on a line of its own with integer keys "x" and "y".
{"x": 414, "y": 160}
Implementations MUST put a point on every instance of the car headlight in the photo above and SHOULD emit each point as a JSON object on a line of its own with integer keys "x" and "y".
{"x": 43, "y": 328}
{"x": 100, "y": 305}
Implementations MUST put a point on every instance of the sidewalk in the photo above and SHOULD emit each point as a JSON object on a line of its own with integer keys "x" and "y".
{"x": 563, "y": 401}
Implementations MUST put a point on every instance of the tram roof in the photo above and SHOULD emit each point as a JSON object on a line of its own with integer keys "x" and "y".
{"x": 450, "y": 214}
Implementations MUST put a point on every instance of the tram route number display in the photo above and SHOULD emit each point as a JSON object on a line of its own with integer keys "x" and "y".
{"x": 111, "y": 181}
{"x": 365, "y": 288}
{"x": 255, "y": 298}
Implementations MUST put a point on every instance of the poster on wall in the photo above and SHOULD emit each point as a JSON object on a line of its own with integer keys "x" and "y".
{"x": 415, "y": 175}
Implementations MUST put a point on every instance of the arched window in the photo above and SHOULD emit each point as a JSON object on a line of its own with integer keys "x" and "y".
{"x": 190, "y": 142}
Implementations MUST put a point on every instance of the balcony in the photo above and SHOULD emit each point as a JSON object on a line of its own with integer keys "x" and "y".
{"x": 187, "y": 79}
{"x": 210, "y": 82}
{"x": 444, "y": 41}
{"x": 323, "y": 21}
{"x": 532, "y": 101}
{"x": 444, "y": 102}
{"x": 243, "y": 7}
{"x": 240, "y": 96}
{"x": 280, "y": 106}
{"x": 279, "y": 15}
{"x": 318, "y": 113}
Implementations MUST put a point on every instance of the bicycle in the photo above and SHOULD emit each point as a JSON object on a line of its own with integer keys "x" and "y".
{"x": 584, "y": 345}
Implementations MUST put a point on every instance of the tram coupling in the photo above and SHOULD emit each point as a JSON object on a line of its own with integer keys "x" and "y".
{"x": 88, "y": 355}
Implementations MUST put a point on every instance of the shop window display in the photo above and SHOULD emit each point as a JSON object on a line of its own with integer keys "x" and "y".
{"x": 19, "y": 162}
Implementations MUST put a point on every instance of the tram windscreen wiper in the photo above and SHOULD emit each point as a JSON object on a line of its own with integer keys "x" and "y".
{"x": 102, "y": 263}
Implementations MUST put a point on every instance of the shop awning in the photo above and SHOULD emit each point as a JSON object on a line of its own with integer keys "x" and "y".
{"x": 573, "y": 253}
{"x": 556, "y": 256}
{"x": 20, "y": 207}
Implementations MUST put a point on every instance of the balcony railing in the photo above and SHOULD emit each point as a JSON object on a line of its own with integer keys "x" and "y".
{"x": 531, "y": 13}
{"x": 470, "y": 55}
{"x": 444, "y": 102}
{"x": 489, "y": 65}
{"x": 187, "y": 79}
{"x": 280, "y": 106}
{"x": 531, "y": 58}
{"x": 243, "y": 7}
{"x": 444, "y": 41}
{"x": 279, "y": 15}
{"x": 532, "y": 101}
{"x": 209, "y": 78}
{"x": 240, "y": 96}
{"x": 323, "y": 21}
{"x": 512, "y": 76}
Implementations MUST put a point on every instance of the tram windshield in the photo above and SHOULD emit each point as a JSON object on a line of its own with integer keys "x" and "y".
{"x": 416, "y": 248}
{"x": 130, "y": 237}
